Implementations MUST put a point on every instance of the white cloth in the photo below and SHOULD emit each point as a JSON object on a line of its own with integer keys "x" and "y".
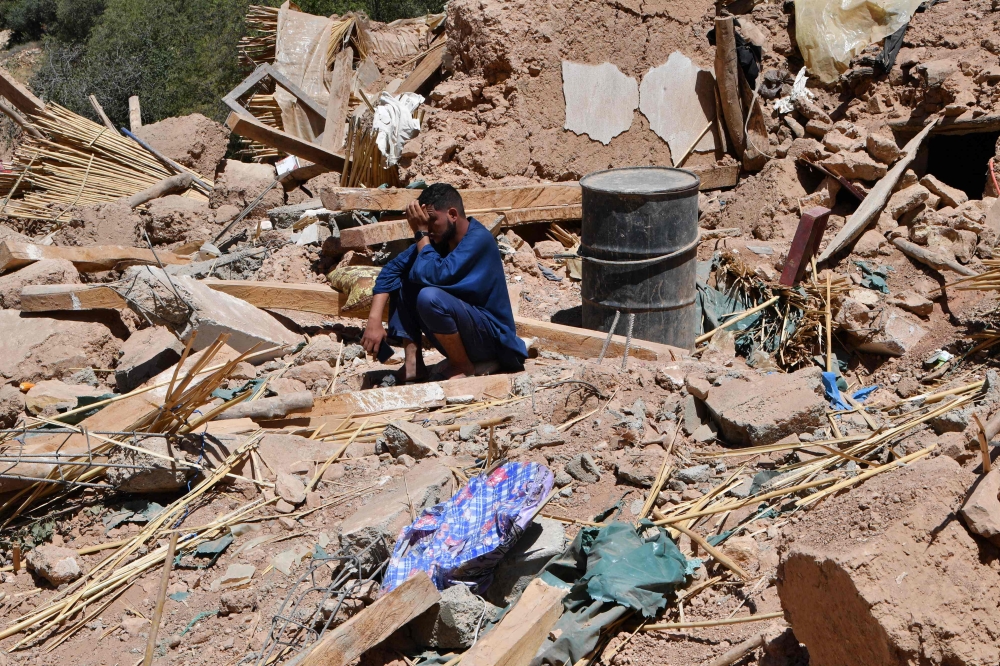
{"x": 785, "y": 104}
{"x": 395, "y": 123}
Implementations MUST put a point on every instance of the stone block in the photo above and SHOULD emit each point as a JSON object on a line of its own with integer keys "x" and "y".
{"x": 47, "y": 271}
{"x": 33, "y": 348}
{"x": 981, "y": 511}
{"x": 146, "y": 354}
{"x": 542, "y": 540}
{"x": 951, "y": 196}
{"x": 454, "y": 622}
{"x": 403, "y": 437}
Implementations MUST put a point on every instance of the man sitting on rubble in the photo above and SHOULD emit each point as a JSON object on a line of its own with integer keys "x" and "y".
{"x": 450, "y": 287}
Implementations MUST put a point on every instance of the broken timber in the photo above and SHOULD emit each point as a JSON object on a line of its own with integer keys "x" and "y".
{"x": 947, "y": 125}
{"x": 426, "y": 68}
{"x": 86, "y": 259}
{"x": 522, "y": 630}
{"x": 19, "y": 96}
{"x": 374, "y": 624}
{"x": 873, "y": 204}
{"x": 251, "y": 128}
{"x": 584, "y": 343}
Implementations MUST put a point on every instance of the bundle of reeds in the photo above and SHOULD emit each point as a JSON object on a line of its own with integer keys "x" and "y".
{"x": 365, "y": 165}
{"x": 350, "y": 29}
{"x": 988, "y": 280}
{"x": 76, "y": 162}
{"x": 258, "y": 46}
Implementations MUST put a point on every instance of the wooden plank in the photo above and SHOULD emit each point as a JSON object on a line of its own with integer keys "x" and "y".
{"x": 522, "y": 630}
{"x": 516, "y": 218}
{"x": 374, "y": 624}
{"x": 947, "y": 125}
{"x": 873, "y": 204}
{"x": 309, "y": 105}
{"x": 134, "y": 113}
{"x": 727, "y": 79}
{"x": 22, "y": 98}
{"x": 99, "y": 110}
{"x": 717, "y": 177}
{"x": 251, "y": 128}
{"x": 318, "y": 298}
{"x": 340, "y": 96}
{"x": 493, "y": 198}
{"x": 584, "y": 343}
{"x": 426, "y": 68}
{"x": 48, "y": 297}
{"x": 375, "y": 234}
{"x": 87, "y": 259}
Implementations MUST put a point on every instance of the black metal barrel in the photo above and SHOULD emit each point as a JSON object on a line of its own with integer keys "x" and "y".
{"x": 639, "y": 241}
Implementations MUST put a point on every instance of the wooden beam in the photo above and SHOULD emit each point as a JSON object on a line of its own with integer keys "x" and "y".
{"x": 375, "y": 234}
{"x": 318, "y": 298}
{"x": 947, "y": 125}
{"x": 22, "y": 98}
{"x": 251, "y": 128}
{"x": 99, "y": 110}
{"x": 522, "y": 630}
{"x": 86, "y": 259}
{"x": 584, "y": 343}
{"x": 374, "y": 624}
{"x": 307, "y": 171}
{"x": 716, "y": 177}
{"x": 49, "y": 297}
{"x": 134, "y": 113}
{"x": 426, "y": 68}
{"x": 521, "y": 216}
{"x": 876, "y": 200}
{"x": 492, "y": 198}
{"x": 340, "y": 96}
{"x": 727, "y": 79}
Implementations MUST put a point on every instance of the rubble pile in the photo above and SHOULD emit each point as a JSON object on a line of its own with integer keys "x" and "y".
{"x": 201, "y": 464}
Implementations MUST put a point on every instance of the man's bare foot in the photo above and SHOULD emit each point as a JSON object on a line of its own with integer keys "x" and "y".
{"x": 456, "y": 371}
{"x": 405, "y": 376}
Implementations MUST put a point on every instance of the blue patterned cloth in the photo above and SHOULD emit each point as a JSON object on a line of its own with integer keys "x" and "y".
{"x": 462, "y": 540}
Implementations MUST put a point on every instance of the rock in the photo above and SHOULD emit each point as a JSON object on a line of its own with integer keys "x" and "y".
{"x": 426, "y": 484}
{"x": 691, "y": 417}
{"x": 883, "y": 148}
{"x": 693, "y": 474}
{"x": 855, "y": 166}
{"x": 284, "y": 386}
{"x": 808, "y": 149}
{"x": 148, "y": 474}
{"x": 213, "y": 314}
{"x": 242, "y": 182}
{"x": 237, "y": 575}
{"x": 705, "y": 433}
{"x": 670, "y": 377}
{"x": 981, "y": 511}
{"x": 289, "y": 488}
{"x": 454, "y": 621}
{"x": 281, "y": 506}
{"x": 410, "y": 438}
{"x": 352, "y": 352}
{"x": 548, "y": 249}
{"x": 11, "y": 405}
{"x": 311, "y": 373}
{"x": 951, "y": 196}
{"x": 286, "y": 523}
{"x": 956, "y": 446}
{"x": 193, "y": 141}
{"x": 467, "y": 433}
{"x": 891, "y": 333}
{"x": 51, "y": 396}
{"x": 542, "y": 540}
{"x": 146, "y": 354}
{"x": 406, "y": 460}
{"x": 885, "y": 574}
{"x": 133, "y": 626}
{"x": 35, "y": 348}
{"x": 811, "y": 111}
{"x": 179, "y": 219}
{"x": 744, "y": 551}
{"x": 763, "y": 409}
{"x": 905, "y": 200}
{"x": 47, "y": 271}
{"x": 697, "y": 386}
{"x": 817, "y": 128}
{"x": 237, "y": 602}
{"x": 55, "y": 564}
{"x": 640, "y": 469}
{"x": 869, "y": 243}
{"x": 913, "y": 302}
{"x": 836, "y": 142}
{"x": 320, "y": 348}
{"x": 583, "y": 468}
{"x": 283, "y": 217}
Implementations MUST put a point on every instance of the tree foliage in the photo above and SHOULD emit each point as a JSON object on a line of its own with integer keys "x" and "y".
{"x": 178, "y": 56}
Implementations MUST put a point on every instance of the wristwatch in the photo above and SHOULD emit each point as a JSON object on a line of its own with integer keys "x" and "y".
{"x": 417, "y": 235}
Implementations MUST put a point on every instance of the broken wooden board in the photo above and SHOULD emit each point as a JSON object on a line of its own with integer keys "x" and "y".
{"x": 522, "y": 630}
{"x": 584, "y": 343}
{"x": 374, "y": 624}
{"x": 426, "y": 68}
{"x": 86, "y": 259}
{"x": 340, "y": 95}
{"x": 375, "y": 234}
{"x": 522, "y": 216}
{"x": 492, "y": 198}
{"x": 251, "y": 128}
{"x": 600, "y": 100}
{"x": 305, "y": 297}
{"x": 716, "y": 177}
{"x": 48, "y": 297}
{"x": 22, "y": 98}
{"x": 873, "y": 204}
{"x": 332, "y": 409}
{"x": 947, "y": 125}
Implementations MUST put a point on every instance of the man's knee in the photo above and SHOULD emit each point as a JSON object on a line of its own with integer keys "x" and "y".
{"x": 435, "y": 310}
{"x": 431, "y": 300}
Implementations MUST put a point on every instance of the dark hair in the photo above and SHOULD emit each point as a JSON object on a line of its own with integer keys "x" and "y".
{"x": 442, "y": 196}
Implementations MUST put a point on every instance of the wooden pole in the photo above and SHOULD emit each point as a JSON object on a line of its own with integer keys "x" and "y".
{"x": 727, "y": 80}
{"x": 134, "y": 113}
{"x": 712, "y": 623}
{"x": 737, "y": 652}
{"x": 16, "y": 556}
{"x": 751, "y": 311}
{"x": 983, "y": 445}
{"x": 829, "y": 333}
{"x": 99, "y": 110}
{"x": 161, "y": 598}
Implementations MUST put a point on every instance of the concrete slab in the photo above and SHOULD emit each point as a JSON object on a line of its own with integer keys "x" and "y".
{"x": 600, "y": 100}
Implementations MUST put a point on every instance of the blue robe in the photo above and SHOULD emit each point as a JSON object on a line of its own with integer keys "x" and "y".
{"x": 473, "y": 273}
